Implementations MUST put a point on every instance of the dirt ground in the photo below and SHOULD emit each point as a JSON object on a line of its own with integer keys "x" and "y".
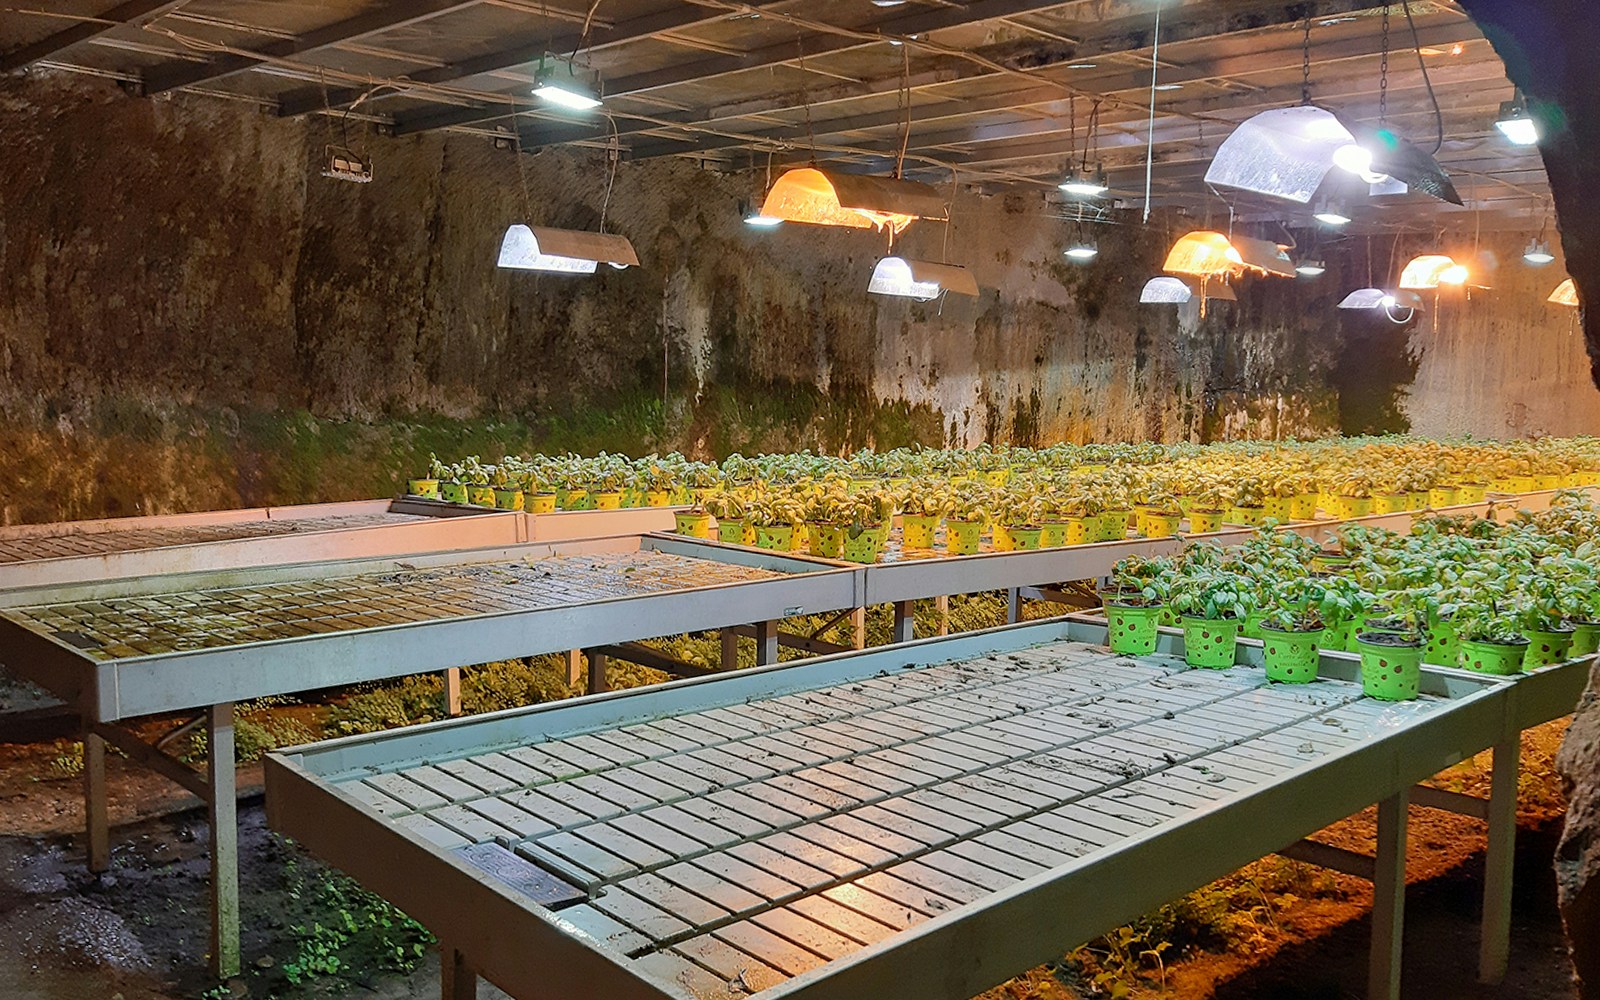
{"x": 139, "y": 931}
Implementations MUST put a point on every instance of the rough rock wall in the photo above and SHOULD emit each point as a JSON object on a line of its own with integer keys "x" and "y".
{"x": 191, "y": 317}
{"x": 1504, "y": 362}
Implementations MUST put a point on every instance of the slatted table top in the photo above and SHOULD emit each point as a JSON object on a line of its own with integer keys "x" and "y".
{"x": 67, "y": 543}
{"x": 728, "y": 849}
{"x": 120, "y": 627}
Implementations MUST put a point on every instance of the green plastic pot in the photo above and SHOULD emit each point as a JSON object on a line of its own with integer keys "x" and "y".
{"x": 917, "y": 530}
{"x": 734, "y": 531}
{"x": 961, "y": 537}
{"x": 1290, "y": 657}
{"x": 507, "y": 498}
{"x": 480, "y": 496}
{"x": 1252, "y": 624}
{"x": 865, "y": 544}
{"x": 427, "y": 489}
{"x": 1025, "y": 538}
{"x": 1444, "y": 647}
{"x": 1132, "y": 630}
{"x": 827, "y": 540}
{"x": 777, "y": 537}
{"x": 1503, "y": 659}
{"x": 1391, "y": 666}
{"x": 573, "y": 499}
{"x": 1585, "y": 639}
{"x": 453, "y": 492}
{"x": 1209, "y": 643}
{"x": 1546, "y": 648}
{"x": 1337, "y": 638}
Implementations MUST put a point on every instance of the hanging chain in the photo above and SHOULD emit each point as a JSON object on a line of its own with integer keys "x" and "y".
{"x": 1383, "y": 73}
{"x": 1305, "y": 64}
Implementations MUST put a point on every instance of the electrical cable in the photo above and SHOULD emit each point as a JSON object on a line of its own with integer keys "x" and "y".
{"x": 1416, "y": 43}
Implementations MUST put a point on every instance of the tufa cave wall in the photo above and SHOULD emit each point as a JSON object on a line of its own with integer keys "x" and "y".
{"x": 191, "y": 317}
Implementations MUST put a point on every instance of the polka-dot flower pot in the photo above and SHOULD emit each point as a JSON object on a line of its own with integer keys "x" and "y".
{"x": 1303, "y": 507}
{"x": 1546, "y": 648}
{"x": 427, "y": 489}
{"x": 1210, "y": 643}
{"x": 864, "y": 545}
{"x": 1503, "y": 659}
{"x": 961, "y": 537}
{"x": 693, "y": 525}
{"x": 1290, "y": 657}
{"x": 1132, "y": 630}
{"x": 827, "y": 540}
{"x": 1391, "y": 666}
{"x": 917, "y": 531}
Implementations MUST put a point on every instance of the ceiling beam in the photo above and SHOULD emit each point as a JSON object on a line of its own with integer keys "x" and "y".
{"x": 395, "y": 14}
{"x": 1050, "y": 100}
{"x": 685, "y": 15}
{"x": 912, "y": 22}
{"x": 132, "y": 13}
{"x": 1122, "y": 36}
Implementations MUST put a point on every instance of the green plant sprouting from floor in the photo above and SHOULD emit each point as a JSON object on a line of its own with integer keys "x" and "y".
{"x": 349, "y": 931}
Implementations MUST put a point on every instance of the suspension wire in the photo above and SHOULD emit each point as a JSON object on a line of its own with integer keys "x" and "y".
{"x": 805, "y": 93}
{"x": 1150, "y": 135}
{"x": 904, "y": 96}
{"x": 516, "y": 150}
{"x": 1416, "y": 43}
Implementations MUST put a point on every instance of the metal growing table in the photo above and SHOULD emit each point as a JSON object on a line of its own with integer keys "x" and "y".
{"x": 121, "y": 649}
{"x": 924, "y": 821}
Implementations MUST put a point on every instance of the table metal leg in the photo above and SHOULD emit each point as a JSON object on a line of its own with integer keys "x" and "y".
{"x": 1388, "y": 899}
{"x": 766, "y": 642}
{"x": 1494, "y": 945}
{"x": 95, "y": 811}
{"x": 457, "y": 979}
{"x": 905, "y": 621}
{"x": 1014, "y": 605}
{"x": 222, "y": 808}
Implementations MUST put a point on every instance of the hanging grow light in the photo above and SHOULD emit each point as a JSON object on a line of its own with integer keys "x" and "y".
{"x": 1331, "y": 213}
{"x": 566, "y": 251}
{"x": 1311, "y": 268}
{"x": 1288, "y": 152}
{"x": 1433, "y": 270}
{"x": 1516, "y": 124}
{"x": 1207, "y": 254}
{"x": 832, "y": 198}
{"x": 560, "y": 85}
{"x": 1538, "y": 253}
{"x": 1566, "y": 294}
{"x": 1399, "y": 307}
{"x": 1165, "y": 291}
{"x": 920, "y": 279}
{"x": 1085, "y": 183}
{"x": 1083, "y": 251}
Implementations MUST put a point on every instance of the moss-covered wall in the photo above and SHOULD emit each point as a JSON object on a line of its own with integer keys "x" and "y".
{"x": 191, "y": 317}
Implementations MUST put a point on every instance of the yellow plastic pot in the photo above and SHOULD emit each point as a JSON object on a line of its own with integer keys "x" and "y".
{"x": 1356, "y": 506}
{"x": 1247, "y": 516}
{"x": 539, "y": 503}
{"x": 1303, "y": 507}
{"x": 658, "y": 498}
{"x": 1391, "y": 503}
{"x": 917, "y": 530}
{"x": 1203, "y": 522}
{"x": 1276, "y": 508}
{"x": 693, "y": 525}
{"x": 1444, "y": 496}
{"x": 961, "y": 538}
{"x": 573, "y": 500}
{"x": 427, "y": 489}
{"x": 607, "y": 500}
{"x": 480, "y": 496}
{"x": 1161, "y": 525}
{"x": 1002, "y": 539}
{"x": 1472, "y": 492}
